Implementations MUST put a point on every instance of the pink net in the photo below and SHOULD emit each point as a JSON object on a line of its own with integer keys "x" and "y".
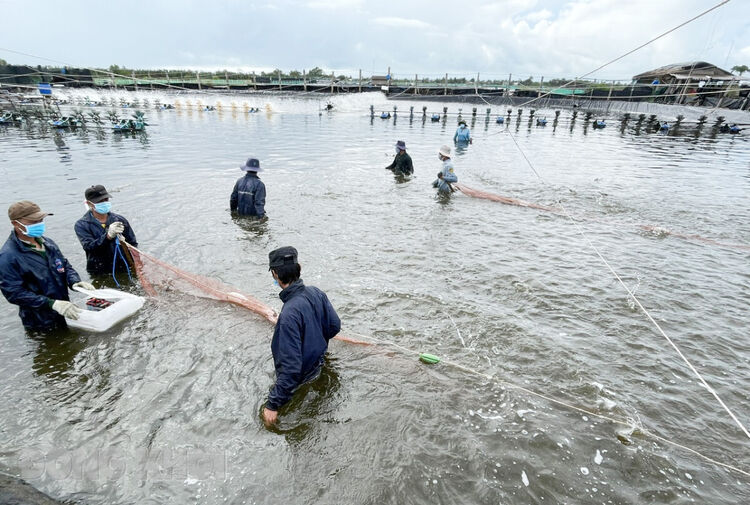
{"x": 154, "y": 273}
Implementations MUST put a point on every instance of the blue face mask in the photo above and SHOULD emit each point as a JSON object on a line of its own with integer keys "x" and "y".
{"x": 276, "y": 282}
{"x": 35, "y": 230}
{"x": 103, "y": 207}
{"x": 398, "y": 150}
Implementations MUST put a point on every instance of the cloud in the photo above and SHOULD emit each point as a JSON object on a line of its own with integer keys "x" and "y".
{"x": 334, "y": 4}
{"x": 402, "y": 23}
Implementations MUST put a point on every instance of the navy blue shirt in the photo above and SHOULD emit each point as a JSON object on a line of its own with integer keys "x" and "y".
{"x": 300, "y": 339}
{"x": 100, "y": 251}
{"x": 30, "y": 279}
{"x": 249, "y": 196}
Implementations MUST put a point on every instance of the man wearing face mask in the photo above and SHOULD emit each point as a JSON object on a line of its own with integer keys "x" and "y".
{"x": 300, "y": 339}
{"x": 34, "y": 274}
{"x": 402, "y": 162}
{"x": 98, "y": 230}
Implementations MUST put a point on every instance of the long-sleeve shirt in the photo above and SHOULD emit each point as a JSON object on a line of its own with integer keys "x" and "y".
{"x": 249, "y": 196}
{"x": 300, "y": 339}
{"x": 448, "y": 177}
{"x": 463, "y": 134}
{"x": 401, "y": 164}
{"x": 100, "y": 250}
{"x": 32, "y": 278}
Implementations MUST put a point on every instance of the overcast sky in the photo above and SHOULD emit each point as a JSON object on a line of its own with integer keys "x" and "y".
{"x": 553, "y": 38}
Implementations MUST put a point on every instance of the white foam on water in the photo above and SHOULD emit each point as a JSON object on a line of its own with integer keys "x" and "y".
{"x": 584, "y": 470}
{"x": 598, "y": 458}
{"x": 524, "y": 478}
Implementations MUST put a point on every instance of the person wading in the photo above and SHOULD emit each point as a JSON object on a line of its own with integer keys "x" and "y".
{"x": 249, "y": 194}
{"x": 98, "y": 229}
{"x": 34, "y": 274}
{"x": 402, "y": 161}
{"x": 300, "y": 339}
{"x": 446, "y": 176}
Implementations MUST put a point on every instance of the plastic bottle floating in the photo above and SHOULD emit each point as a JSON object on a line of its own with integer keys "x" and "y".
{"x": 599, "y": 123}
{"x": 435, "y": 117}
{"x": 542, "y": 121}
{"x": 385, "y": 115}
{"x": 500, "y": 120}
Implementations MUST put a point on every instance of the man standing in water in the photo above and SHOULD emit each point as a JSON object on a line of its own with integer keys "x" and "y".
{"x": 98, "y": 229}
{"x": 249, "y": 194}
{"x": 446, "y": 176}
{"x": 300, "y": 339}
{"x": 402, "y": 162}
{"x": 34, "y": 274}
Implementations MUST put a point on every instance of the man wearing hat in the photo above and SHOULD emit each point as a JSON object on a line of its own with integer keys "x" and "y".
{"x": 462, "y": 135}
{"x": 446, "y": 176}
{"x": 249, "y": 194}
{"x": 34, "y": 274}
{"x": 300, "y": 339}
{"x": 402, "y": 162}
{"x": 98, "y": 229}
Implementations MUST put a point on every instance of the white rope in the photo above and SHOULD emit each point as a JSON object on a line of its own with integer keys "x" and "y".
{"x": 636, "y": 49}
{"x": 626, "y": 422}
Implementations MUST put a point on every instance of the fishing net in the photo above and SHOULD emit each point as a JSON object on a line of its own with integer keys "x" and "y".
{"x": 155, "y": 274}
{"x": 502, "y": 199}
{"x": 655, "y": 230}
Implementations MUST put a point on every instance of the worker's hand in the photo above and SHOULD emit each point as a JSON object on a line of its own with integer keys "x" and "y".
{"x": 270, "y": 416}
{"x": 440, "y": 175}
{"x": 84, "y": 285}
{"x": 115, "y": 229}
{"x": 471, "y": 141}
{"x": 66, "y": 309}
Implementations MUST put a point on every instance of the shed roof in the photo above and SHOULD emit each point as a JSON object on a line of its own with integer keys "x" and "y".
{"x": 690, "y": 70}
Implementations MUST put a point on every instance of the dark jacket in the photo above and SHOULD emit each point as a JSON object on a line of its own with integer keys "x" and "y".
{"x": 401, "y": 164}
{"x": 249, "y": 196}
{"x": 100, "y": 251}
{"x": 31, "y": 279}
{"x": 306, "y": 323}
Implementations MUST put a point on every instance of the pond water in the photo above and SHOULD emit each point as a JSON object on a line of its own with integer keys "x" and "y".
{"x": 164, "y": 407}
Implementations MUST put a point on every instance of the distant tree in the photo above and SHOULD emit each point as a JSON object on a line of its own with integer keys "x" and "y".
{"x": 295, "y": 74}
{"x": 316, "y": 72}
{"x": 740, "y": 69}
{"x": 3, "y": 62}
{"x": 342, "y": 77}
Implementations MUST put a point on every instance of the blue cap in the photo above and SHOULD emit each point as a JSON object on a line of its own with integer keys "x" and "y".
{"x": 251, "y": 165}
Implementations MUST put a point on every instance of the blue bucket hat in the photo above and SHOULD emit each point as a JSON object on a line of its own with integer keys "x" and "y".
{"x": 251, "y": 165}
{"x": 401, "y": 145}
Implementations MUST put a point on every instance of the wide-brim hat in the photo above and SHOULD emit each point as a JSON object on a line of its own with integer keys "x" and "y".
{"x": 401, "y": 145}
{"x": 445, "y": 151}
{"x": 26, "y": 209}
{"x": 251, "y": 165}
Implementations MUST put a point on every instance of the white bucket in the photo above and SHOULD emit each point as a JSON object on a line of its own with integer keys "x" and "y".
{"x": 124, "y": 306}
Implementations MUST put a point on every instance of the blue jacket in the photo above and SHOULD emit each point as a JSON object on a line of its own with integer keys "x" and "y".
{"x": 249, "y": 196}
{"x": 463, "y": 134}
{"x": 100, "y": 251}
{"x": 306, "y": 323}
{"x": 448, "y": 176}
{"x": 31, "y": 279}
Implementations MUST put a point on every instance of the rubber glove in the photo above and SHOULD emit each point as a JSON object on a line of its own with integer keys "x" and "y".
{"x": 84, "y": 285}
{"x": 66, "y": 309}
{"x": 115, "y": 229}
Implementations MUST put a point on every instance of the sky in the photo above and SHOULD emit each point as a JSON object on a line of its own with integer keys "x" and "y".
{"x": 551, "y": 38}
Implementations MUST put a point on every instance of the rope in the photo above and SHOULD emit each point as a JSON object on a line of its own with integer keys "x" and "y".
{"x": 118, "y": 253}
{"x": 636, "y": 49}
{"x": 632, "y": 295}
{"x": 615, "y": 420}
